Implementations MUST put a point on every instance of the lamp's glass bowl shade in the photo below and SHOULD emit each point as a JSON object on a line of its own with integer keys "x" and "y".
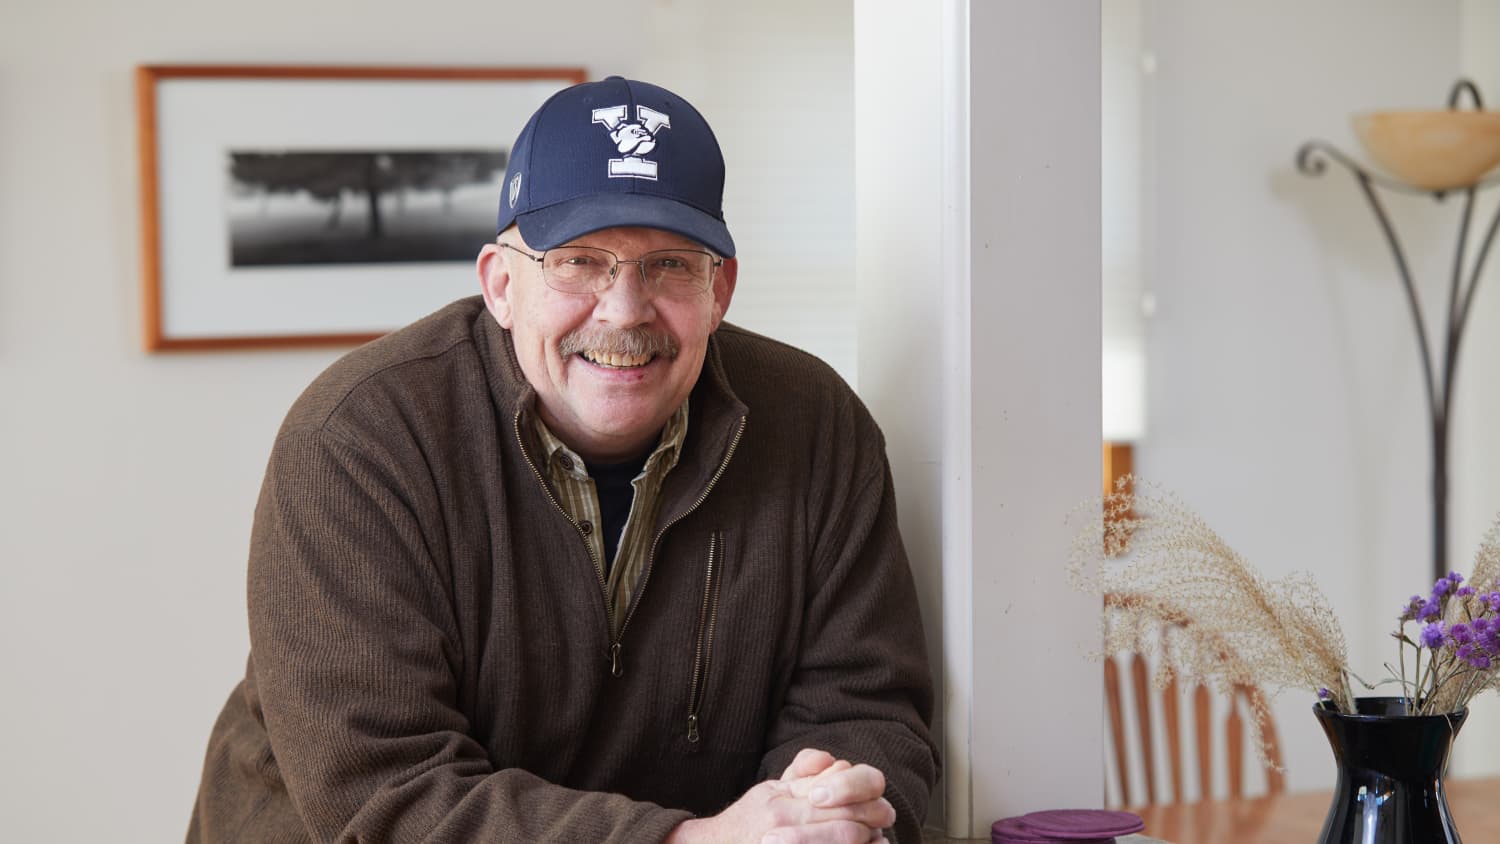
{"x": 1434, "y": 150}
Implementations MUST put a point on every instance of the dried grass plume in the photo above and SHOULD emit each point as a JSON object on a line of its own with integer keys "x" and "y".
{"x": 1176, "y": 593}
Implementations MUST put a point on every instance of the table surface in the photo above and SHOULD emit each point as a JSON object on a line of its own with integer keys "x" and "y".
{"x": 1298, "y": 818}
{"x": 1291, "y": 818}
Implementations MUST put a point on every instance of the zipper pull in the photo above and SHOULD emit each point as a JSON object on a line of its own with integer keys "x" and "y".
{"x": 693, "y": 728}
{"x": 616, "y": 668}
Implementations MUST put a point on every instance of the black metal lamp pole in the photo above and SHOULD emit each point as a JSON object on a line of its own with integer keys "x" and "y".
{"x": 1312, "y": 160}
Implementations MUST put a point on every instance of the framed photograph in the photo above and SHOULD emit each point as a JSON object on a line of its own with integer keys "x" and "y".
{"x": 289, "y": 206}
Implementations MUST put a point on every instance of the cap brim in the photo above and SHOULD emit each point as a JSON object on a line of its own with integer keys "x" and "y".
{"x": 557, "y": 224}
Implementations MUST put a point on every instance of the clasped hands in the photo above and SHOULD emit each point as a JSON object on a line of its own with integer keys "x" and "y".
{"x": 817, "y": 800}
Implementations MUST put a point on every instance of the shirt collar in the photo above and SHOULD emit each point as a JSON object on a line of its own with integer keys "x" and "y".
{"x": 663, "y": 458}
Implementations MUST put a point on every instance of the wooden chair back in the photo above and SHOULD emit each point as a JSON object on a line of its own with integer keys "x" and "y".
{"x": 1118, "y": 465}
{"x": 1148, "y": 699}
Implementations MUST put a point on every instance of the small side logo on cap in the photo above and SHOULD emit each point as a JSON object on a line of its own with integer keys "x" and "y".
{"x": 515, "y": 189}
{"x": 633, "y": 140}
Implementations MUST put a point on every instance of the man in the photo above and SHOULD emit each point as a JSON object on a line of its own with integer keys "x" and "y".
{"x": 575, "y": 560}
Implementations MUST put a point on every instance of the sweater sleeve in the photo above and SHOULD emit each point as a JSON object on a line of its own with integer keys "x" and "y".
{"x": 861, "y": 688}
{"x": 355, "y": 655}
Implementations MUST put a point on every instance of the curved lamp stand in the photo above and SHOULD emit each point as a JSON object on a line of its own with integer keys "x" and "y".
{"x": 1312, "y": 160}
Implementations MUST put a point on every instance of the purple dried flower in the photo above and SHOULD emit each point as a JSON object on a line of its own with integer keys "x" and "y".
{"x": 1473, "y": 656}
{"x": 1461, "y": 633}
{"x": 1464, "y": 591}
{"x": 1432, "y": 635}
{"x": 1441, "y": 587}
{"x": 1412, "y": 609}
{"x": 1490, "y": 641}
{"x": 1481, "y": 625}
{"x": 1431, "y": 609}
{"x": 1324, "y": 694}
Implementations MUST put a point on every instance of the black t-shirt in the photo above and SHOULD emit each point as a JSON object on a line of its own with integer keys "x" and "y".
{"x": 612, "y": 482}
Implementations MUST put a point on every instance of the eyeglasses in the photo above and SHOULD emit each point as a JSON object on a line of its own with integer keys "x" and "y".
{"x": 677, "y": 273}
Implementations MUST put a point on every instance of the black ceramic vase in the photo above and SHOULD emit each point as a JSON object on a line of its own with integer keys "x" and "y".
{"x": 1391, "y": 767}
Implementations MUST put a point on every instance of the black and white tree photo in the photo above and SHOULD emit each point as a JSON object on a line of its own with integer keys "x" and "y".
{"x": 366, "y": 206}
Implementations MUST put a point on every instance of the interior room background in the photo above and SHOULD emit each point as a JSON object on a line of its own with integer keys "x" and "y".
{"x": 1281, "y": 398}
{"x": 1282, "y": 392}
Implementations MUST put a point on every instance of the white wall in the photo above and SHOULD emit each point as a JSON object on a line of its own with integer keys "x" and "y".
{"x": 129, "y": 480}
{"x": 1476, "y": 459}
{"x": 776, "y": 80}
{"x": 1285, "y": 400}
{"x": 1127, "y": 173}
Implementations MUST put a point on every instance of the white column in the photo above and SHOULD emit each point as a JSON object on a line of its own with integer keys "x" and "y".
{"x": 977, "y": 178}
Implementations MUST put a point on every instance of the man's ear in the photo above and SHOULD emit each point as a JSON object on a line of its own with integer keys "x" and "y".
{"x": 494, "y": 283}
{"x": 724, "y": 279}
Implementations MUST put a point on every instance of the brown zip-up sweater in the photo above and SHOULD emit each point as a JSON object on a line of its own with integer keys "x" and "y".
{"x": 430, "y": 654}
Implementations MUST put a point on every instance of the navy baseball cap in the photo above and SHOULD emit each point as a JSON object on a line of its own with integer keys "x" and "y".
{"x": 615, "y": 153}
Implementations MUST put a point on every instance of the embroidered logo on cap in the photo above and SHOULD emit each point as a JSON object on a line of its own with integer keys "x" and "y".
{"x": 515, "y": 189}
{"x": 633, "y": 140}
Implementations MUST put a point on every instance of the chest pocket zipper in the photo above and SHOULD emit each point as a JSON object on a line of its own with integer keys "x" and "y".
{"x": 703, "y": 655}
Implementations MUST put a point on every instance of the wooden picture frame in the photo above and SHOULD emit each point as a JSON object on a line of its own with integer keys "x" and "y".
{"x": 246, "y": 172}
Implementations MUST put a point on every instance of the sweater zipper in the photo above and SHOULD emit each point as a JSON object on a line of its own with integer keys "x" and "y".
{"x": 609, "y": 614}
{"x": 617, "y": 668}
{"x": 707, "y": 615}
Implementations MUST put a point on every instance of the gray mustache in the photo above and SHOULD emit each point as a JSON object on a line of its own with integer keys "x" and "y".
{"x": 625, "y": 341}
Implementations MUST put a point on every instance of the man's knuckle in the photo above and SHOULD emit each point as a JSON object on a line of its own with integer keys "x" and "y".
{"x": 872, "y": 777}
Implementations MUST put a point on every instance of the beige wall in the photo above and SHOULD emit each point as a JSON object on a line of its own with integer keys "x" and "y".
{"x": 127, "y": 481}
